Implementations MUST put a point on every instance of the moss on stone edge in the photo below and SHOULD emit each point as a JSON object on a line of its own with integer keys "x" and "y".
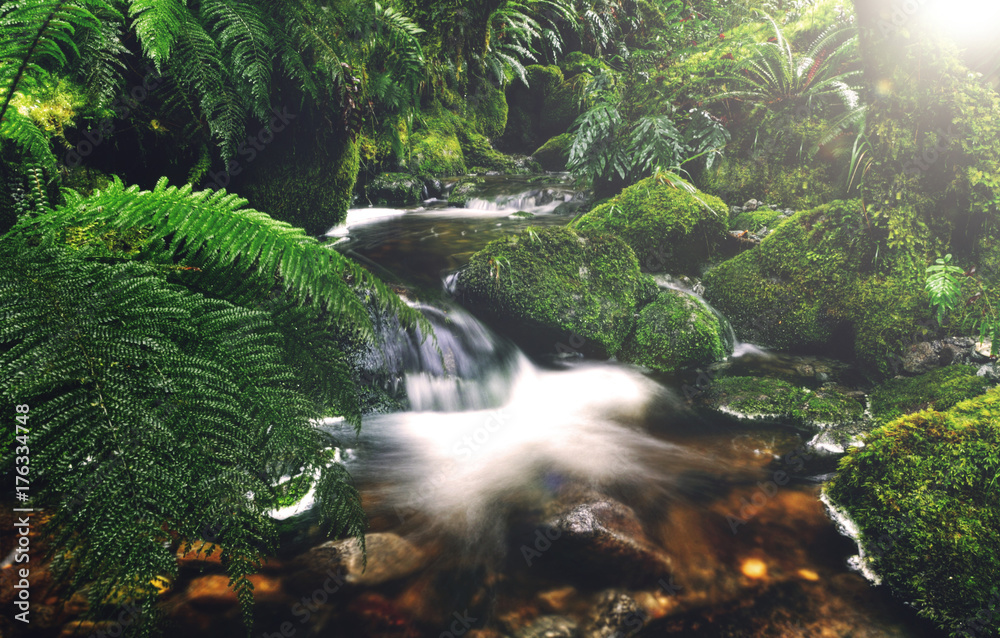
{"x": 924, "y": 495}
{"x": 936, "y": 390}
{"x": 553, "y": 283}
{"x": 667, "y": 227}
{"x": 435, "y": 149}
{"x": 754, "y": 220}
{"x": 676, "y": 331}
{"x": 777, "y": 400}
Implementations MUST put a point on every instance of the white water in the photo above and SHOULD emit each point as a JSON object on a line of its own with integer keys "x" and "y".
{"x": 480, "y": 443}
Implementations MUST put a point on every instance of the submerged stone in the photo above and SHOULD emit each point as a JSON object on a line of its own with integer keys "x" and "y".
{"x": 775, "y": 400}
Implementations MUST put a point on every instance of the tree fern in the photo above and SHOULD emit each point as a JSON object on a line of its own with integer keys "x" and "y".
{"x": 211, "y": 230}
{"x": 161, "y": 408}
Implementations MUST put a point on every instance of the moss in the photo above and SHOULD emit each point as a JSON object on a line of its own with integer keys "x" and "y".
{"x": 676, "y": 331}
{"x": 821, "y": 274}
{"x": 554, "y": 153}
{"x": 577, "y": 62}
{"x": 553, "y": 286}
{"x": 480, "y": 155}
{"x": 310, "y": 187}
{"x": 435, "y": 148}
{"x": 667, "y": 227}
{"x": 395, "y": 189}
{"x": 754, "y": 220}
{"x": 937, "y": 390}
{"x": 798, "y": 186}
{"x": 775, "y": 399}
{"x": 923, "y": 492}
{"x": 489, "y": 110}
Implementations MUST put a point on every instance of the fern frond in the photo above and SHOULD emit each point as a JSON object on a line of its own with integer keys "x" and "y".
{"x": 37, "y": 32}
{"x": 33, "y": 141}
{"x": 158, "y": 23}
{"x": 243, "y": 35}
{"x": 213, "y": 231}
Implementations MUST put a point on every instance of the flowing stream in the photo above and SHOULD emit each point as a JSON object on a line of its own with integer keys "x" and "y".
{"x": 523, "y": 499}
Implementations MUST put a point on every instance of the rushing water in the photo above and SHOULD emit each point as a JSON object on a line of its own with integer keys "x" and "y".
{"x": 579, "y": 499}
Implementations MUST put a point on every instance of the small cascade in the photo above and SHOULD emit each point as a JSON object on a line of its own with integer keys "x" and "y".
{"x": 536, "y": 201}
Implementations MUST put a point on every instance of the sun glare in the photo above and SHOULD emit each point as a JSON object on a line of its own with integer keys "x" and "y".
{"x": 967, "y": 21}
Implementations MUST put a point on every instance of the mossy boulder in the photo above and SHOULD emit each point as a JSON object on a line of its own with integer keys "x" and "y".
{"x": 677, "y": 331}
{"x": 310, "y": 186}
{"x": 480, "y": 156}
{"x": 669, "y": 228}
{"x": 924, "y": 495}
{"x": 822, "y": 280}
{"x": 488, "y": 109}
{"x": 577, "y": 62}
{"x": 554, "y": 153}
{"x": 936, "y": 390}
{"x": 552, "y": 287}
{"x": 395, "y": 189}
{"x": 776, "y": 400}
{"x": 464, "y": 190}
{"x": 434, "y": 145}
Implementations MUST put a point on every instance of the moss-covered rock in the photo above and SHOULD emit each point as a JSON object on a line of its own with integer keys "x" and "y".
{"x": 923, "y": 494}
{"x": 754, "y": 220}
{"x": 669, "y": 228}
{"x": 488, "y": 109}
{"x": 554, "y": 153}
{"x": 676, "y": 331}
{"x": 770, "y": 399}
{"x": 395, "y": 189}
{"x": 550, "y": 287}
{"x": 310, "y": 186}
{"x": 434, "y": 145}
{"x": 480, "y": 156}
{"x": 465, "y": 189}
{"x": 936, "y": 390}
{"x": 577, "y": 62}
{"x": 821, "y": 280}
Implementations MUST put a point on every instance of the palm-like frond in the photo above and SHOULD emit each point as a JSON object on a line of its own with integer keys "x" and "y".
{"x": 212, "y": 230}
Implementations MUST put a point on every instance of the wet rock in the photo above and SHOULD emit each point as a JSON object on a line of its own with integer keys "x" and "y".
{"x": 550, "y": 627}
{"x": 752, "y": 204}
{"x": 395, "y": 189}
{"x": 616, "y": 615}
{"x": 921, "y": 357}
{"x": 390, "y": 557}
{"x": 603, "y": 538}
{"x": 211, "y": 591}
{"x": 775, "y": 400}
{"x": 464, "y": 190}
